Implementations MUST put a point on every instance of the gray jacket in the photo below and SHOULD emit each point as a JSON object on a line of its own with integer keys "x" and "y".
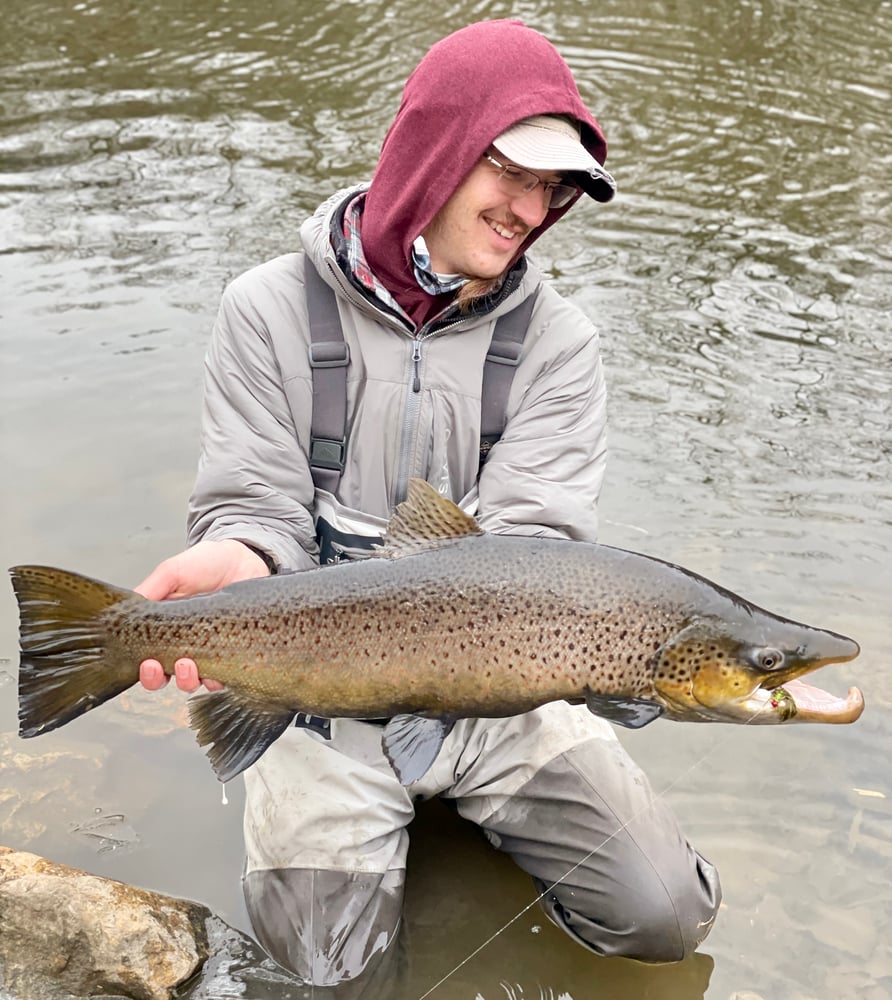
{"x": 542, "y": 477}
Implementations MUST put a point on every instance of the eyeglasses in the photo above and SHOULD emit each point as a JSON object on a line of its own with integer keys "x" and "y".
{"x": 515, "y": 181}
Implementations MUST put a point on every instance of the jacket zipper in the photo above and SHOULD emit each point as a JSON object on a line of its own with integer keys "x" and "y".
{"x": 416, "y": 360}
{"x": 413, "y": 407}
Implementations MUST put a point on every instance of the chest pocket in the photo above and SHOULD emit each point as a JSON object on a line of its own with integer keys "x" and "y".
{"x": 344, "y": 533}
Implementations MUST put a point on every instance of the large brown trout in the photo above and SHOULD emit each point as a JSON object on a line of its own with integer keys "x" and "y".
{"x": 449, "y": 623}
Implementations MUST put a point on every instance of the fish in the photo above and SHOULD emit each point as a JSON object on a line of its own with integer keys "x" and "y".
{"x": 446, "y": 622}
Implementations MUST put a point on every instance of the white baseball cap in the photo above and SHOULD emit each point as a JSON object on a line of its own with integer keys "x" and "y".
{"x": 546, "y": 142}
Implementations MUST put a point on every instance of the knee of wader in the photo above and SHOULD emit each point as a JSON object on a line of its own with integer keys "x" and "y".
{"x": 648, "y": 923}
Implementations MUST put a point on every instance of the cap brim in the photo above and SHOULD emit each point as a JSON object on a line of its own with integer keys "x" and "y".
{"x": 546, "y": 149}
{"x": 597, "y": 183}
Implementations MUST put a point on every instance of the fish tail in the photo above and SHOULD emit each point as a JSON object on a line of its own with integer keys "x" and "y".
{"x": 65, "y": 669}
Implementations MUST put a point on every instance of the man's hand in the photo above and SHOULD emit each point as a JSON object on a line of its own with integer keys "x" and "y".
{"x": 202, "y": 569}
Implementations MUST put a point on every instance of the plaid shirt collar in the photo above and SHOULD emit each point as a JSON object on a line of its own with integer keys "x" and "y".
{"x": 432, "y": 282}
{"x": 428, "y": 280}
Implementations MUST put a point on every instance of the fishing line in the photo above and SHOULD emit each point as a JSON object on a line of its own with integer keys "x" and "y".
{"x": 583, "y": 860}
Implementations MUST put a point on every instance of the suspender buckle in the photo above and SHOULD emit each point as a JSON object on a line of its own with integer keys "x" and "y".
{"x": 327, "y": 453}
{"x": 504, "y": 352}
{"x": 316, "y": 724}
{"x": 329, "y": 354}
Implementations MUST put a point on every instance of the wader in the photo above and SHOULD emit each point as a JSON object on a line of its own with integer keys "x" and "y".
{"x": 326, "y": 838}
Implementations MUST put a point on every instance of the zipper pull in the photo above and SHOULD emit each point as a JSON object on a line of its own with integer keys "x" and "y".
{"x": 416, "y": 358}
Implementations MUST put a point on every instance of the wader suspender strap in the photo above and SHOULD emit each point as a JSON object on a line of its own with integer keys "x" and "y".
{"x": 502, "y": 358}
{"x": 329, "y": 357}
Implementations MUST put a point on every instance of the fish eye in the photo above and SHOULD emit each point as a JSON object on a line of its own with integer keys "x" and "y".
{"x": 770, "y": 659}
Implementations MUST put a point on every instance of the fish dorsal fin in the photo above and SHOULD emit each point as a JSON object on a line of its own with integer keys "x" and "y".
{"x": 425, "y": 520}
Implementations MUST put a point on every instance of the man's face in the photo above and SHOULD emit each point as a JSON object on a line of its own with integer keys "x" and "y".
{"x": 480, "y": 229}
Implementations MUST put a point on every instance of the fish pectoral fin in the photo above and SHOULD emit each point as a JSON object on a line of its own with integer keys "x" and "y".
{"x": 411, "y": 744}
{"x": 236, "y": 727}
{"x": 633, "y": 713}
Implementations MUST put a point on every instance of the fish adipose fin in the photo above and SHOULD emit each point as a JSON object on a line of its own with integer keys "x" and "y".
{"x": 65, "y": 669}
{"x": 633, "y": 713}
{"x": 237, "y": 728}
{"x": 411, "y": 744}
{"x": 425, "y": 520}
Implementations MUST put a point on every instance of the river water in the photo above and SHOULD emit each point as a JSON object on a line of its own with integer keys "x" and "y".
{"x": 742, "y": 281}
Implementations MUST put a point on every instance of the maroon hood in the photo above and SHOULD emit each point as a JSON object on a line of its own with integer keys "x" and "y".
{"x": 469, "y": 88}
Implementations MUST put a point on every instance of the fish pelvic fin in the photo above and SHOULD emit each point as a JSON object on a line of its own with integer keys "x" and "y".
{"x": 425, "y": 520}
{"x": 236, "y": 727}
{"x": 411, "y": 744}
{"x": 64, "y": 669}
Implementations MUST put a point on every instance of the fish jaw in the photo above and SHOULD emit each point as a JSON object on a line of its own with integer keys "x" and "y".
{"x": 747, "y": 672}
{"x": 797, "y": 701}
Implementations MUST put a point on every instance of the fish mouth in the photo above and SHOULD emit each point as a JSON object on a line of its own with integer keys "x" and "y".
{"x": 789, "y": 698}
{"x": 797, "y": 701}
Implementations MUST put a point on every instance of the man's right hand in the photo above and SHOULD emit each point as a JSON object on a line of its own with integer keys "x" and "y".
{"x": 201, "y": 569}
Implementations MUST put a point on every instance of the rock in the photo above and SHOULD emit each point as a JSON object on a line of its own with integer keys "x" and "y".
{"x": 66, "y": 931}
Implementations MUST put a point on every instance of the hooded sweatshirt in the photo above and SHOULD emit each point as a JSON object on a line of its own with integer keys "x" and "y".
{"x": 469, "y": 88}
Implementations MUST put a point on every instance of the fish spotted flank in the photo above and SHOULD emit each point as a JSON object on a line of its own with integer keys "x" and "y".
{"x": 449, "y": 623}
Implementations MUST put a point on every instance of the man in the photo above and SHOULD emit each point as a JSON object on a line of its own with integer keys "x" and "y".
{"x": 492, "y": 144}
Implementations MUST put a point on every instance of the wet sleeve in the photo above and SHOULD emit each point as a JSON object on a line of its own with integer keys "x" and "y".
{"x": 544, "y": 475}
{"x": 253, "y": 482}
